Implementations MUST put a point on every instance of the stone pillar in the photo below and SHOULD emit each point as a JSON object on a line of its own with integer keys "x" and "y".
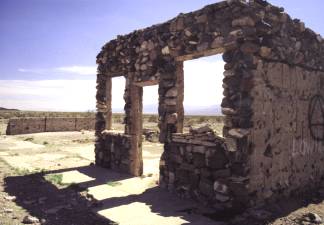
{"x": 180, "y": 96}
{"x": 133, "y": 109}
{"x": 108, "y": 103}
{"x": 171, "y": 100}
{"x": 102, "y": 156}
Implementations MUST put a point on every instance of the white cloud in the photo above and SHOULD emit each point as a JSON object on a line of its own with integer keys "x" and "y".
{"x": 203, "y": 87}
{"x": 37, "y": 71}
{"x": 203, "y": 79}
{"x": 78, "y": 70}
{"x": 63, "y": 95}
{"x": 82, "y": 70}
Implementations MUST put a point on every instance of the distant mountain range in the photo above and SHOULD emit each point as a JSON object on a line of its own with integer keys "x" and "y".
{"x": 1, "y": 108}
{"x": 212, "y": 110}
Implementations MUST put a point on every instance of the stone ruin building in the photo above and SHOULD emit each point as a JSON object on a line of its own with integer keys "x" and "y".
{"x": 273, "y": 138}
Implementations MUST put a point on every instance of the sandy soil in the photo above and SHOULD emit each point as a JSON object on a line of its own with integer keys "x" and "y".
{"x": 51, "y": 176}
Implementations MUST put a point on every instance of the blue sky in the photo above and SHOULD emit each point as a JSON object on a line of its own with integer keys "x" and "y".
{"x": 44, "y": 40}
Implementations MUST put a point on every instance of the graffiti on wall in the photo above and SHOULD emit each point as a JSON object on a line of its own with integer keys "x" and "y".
{"x": 316, "y": 117}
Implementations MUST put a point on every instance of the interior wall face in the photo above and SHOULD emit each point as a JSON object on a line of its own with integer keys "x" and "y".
{"x": 285, "y": 156}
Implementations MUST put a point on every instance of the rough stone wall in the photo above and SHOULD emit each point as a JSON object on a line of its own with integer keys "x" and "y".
{"x": 47, "y": 124}
{"x": 285, "y": 158}
{"x": 196, "y": 165}
{"x": 117, "y": 154}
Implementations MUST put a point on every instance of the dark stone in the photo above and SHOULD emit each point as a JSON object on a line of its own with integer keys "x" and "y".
{"x": 206, "y": 187}
{"x": 228, "y": 56}
{"x": 205, "y": 173}
{"x": 217, "y": 159}
{"x": 221, "y": 173}
{"x": 268, "y": 151}
{"x": 193, "y": 180}
{"x": 182, "y": 176}
{"x": 239, "y": 169}
{"x": 238, "y": 188}
{"x": 176, "y": 158}
{"x": 198, "y": 160}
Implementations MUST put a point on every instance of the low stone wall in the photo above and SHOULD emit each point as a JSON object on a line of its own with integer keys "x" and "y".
{"x": 26, "y": 126}
{"x": 60, "y": 124}
{"x": 117, "y": 150}
{"x": 197, "y": 165}
{"x": 48, "y": 124}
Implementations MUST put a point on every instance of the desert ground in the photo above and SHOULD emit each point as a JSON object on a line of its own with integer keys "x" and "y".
{"x": 50, "y": 178}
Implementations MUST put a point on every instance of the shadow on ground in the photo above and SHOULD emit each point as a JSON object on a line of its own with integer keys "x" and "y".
{"x": 73, "y": 205}
{"x": 45, "y": 201}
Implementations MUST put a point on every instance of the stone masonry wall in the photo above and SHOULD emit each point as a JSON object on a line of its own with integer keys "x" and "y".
{"x": 285, "y": 158}
{"x": 117, "y": 154}
{"x": 38, "y": 125}
{"x": 197, "y": 165}
{"x": 256, "y": 40}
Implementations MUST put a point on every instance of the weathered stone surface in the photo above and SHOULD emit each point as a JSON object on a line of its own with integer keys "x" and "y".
{"x": 265, "y": 51}
{"x": 249, "y": 47}
{"x": 198, "y": 160}
{"x": 218, "y": 42}
{"x": 166, "y": 50}
{"x": 173, "y": 92}
{"x": 30, "y": 220}
{"x": 222, "y": 173}
{"x": 238, "y": 133}
{"x": 274, "y": 68}
{"x": 244, "y": 21}
{"x": 231, "y": 144}
{"x": 216, "y": 159}
{"x": 206, "y": 188}
{"x": 201, "y": 130}
{"x": 221, "y": 188}
{"x": 170, "y": 101}
{"x": 221, "y": 197}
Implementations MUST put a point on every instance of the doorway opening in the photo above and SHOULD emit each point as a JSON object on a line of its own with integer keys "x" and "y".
{"x": 151, "y": 147}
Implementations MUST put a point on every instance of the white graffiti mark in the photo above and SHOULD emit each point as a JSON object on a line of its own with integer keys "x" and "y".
{"x": 302, "y": 147}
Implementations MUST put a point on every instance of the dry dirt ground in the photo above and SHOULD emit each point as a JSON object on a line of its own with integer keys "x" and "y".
{"x": 51, "y": 176}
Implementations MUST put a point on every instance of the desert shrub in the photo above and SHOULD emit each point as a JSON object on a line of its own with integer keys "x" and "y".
{"x": 114, "y": 183}
{"x": 29, "y": 139}
{"x": 55, "y": 178}
{"x": 152, "y": 119}
{"x": 118, "y": 118}
{"x": 202, "y": 119}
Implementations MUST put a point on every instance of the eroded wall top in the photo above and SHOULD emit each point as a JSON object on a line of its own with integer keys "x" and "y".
{"x": 149, "y": 53}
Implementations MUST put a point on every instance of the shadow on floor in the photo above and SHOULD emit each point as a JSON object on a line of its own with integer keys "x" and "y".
{"x": 70, "y": 205}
